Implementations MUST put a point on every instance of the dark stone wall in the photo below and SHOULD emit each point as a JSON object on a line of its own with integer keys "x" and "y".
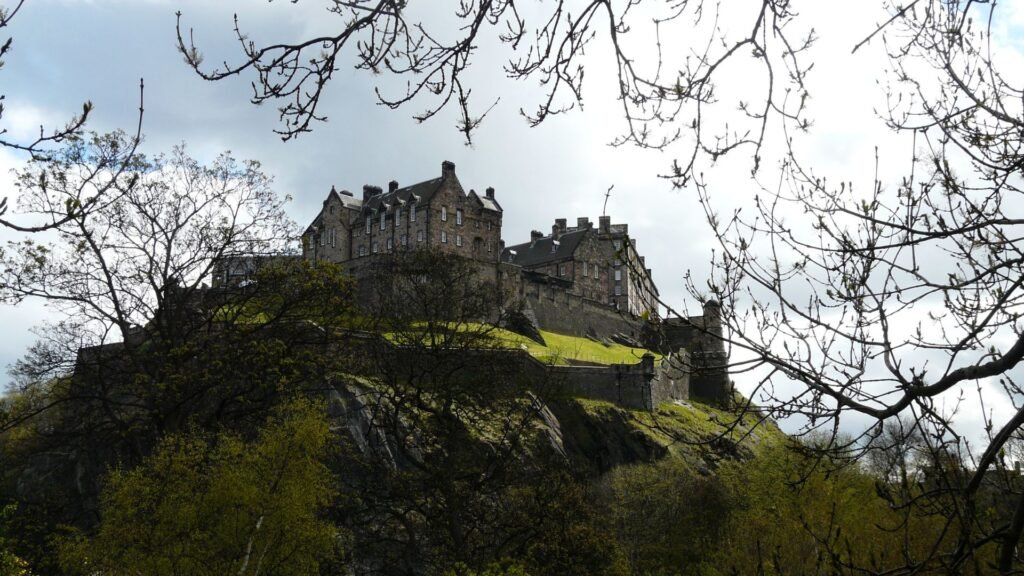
{"x": 623, "y": 384}
{"x": 558, "y": 310}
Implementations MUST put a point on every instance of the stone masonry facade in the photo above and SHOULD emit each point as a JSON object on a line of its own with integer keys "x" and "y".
{"x": 582, "y": 280}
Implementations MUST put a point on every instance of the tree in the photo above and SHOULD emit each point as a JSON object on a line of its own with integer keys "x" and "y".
{"x": 43, "y": 146}
{"x": 446, "y": 425}
{"x": 221, "y": 505}
{"x": 667, "y": 96}
{"x": 902, "y": 299}
{"x": 152, "y": 234}
{"x": 145, "y": 348}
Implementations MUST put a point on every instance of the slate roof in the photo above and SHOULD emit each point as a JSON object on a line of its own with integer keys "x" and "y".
{"x": 422, "y": 192}
{"x": 535, "y": 253}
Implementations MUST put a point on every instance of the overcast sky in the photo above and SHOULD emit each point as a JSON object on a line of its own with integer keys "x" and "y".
{"x": 68, "y": 51}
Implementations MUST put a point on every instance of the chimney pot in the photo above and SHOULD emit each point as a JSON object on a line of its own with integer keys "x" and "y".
{"x": 392, "y": 186}
{"x": 536, "y": 235}
{"x": 447, "y": 169}
{"x": 367, "y": 192}
{"x": 346, "y": 193}
{"x": 490, "y": 192}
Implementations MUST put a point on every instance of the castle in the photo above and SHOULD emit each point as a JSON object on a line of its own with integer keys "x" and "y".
{"x": 582, "y": 280}
{"x": 599, "y": 264}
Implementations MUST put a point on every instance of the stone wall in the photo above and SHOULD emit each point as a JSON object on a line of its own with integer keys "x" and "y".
{"x": 701, "y": 337}
{"x": 672, "y": 381}
{"x": 623, "y": 384}
{"x": 557, "y": 309}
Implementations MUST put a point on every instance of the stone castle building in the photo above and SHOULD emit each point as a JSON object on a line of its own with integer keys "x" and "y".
{"x": 598, "y": 264}
{"x": 436, "y": 214}
{"x": 601, "y": 264}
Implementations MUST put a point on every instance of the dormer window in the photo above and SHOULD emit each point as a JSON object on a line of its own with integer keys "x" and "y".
{"x": 412, "y": 213}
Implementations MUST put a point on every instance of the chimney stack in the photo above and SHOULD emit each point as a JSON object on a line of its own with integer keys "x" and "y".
{"x": 604, "y": 224}
{"x": 490, "y": 192}
{"x": 447, "y": 169}
{"x": 536, "y": 235}
{"x": 392, "y": 186}
{"x": 369, "y": 191}
{"x": 560, "y": 223}
{"x": 583, "y": 222}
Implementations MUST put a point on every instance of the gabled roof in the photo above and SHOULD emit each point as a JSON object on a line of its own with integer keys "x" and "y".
{"x": 488, "y": 202}
{"x": 540, "y": 252}
{"x": 347, "y": 199}
{"x": 421, "y": 192}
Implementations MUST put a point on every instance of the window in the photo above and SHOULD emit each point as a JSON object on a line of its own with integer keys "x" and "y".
{"x": 419, "y": 235}
{"x": 561, "y": 269}
{"x": 390, "y": 244}
{"x": 458, "y": 216}
{"x": 323, "y": 239}
{"x": 412, "y": 213}
{"x": 617, "y": 244}
{"x": 585, "y": 269}
{"x": 444, "y": 237}
{"x": 597, "y": 275}
{"x": 618, "y": 289}
{"x": 362, "y": 250}
{"x": 444, "y": 213}
{"x": 618, "y": 275}
{"x": 383, "y": 220}
{"x": 368, "y": 224}
{"x": 374, "y": 247}
{"x": 332, "y": 208}
{"x": 489, "y": 246}
{"x": 398, "y": 215}
{"x": 405, "y": 240}
{"x": 488, "y": 225}
{"x": 333, "y": 237}
{"x": 458, "y": 239}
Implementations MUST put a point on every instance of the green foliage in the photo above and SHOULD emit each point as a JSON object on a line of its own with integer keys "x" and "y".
{"x": 10, "y": 564}
{"x": 218, "y": 506}
{"x": 665, "y": 517}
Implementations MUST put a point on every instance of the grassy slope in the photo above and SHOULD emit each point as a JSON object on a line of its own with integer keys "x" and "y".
{"x": 698, "y": 434}
{"x": 562, "y": 349}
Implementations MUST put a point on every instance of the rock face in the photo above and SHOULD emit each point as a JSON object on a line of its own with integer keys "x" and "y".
{"x": 585, "y": 434}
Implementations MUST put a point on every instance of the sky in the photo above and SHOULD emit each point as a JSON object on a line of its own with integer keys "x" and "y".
{"x": 69, "y": 51}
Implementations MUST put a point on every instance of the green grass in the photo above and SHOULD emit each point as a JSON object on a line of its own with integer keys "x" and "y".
{"x": 560, "y": 349}
{"x": 683, "y": 428}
